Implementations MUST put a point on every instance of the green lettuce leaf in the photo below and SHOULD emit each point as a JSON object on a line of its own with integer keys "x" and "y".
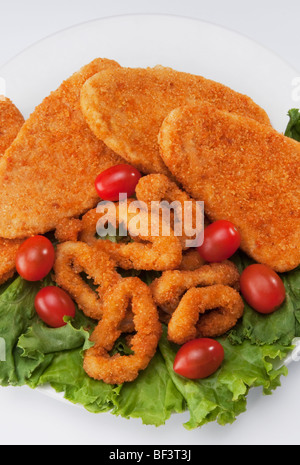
{"x": 222, "y": 396}
{"x": 152, "y": 397}
{"x": 16, "y": 315}
{"x": 40, "y": 339}
{"x": 38, "y": 355}
{"x": 66, "y": 374}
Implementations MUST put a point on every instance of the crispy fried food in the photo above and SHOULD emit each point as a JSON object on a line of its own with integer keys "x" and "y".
{"x": 8, "y": 252}
{"x": 88, "y": 231}
{"x": 168, "y": 289}
{"x": 181, "y": 209}
{"x": 73, "y": 258}
{"x": 191, "y": 260}
{"x": 126, "y": 107}
{"x": 48, "y": 172}
{"x": 118, "y": 369}
{"x": 68, "y": 229}
{"x": 220, "y": 307}
{"x": 11, "y": 121}
{"x": 244, "y": 172}
{"x": 146, "y": 251}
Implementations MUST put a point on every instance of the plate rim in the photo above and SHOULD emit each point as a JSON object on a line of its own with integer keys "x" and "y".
{"x": 153, "y": 15}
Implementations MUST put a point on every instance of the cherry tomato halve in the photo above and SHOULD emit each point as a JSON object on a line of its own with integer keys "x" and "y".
{"x": 52, "y": 304}
{"x": 199, "y": 358}
{"x": 221, "y": 241}
{"x": 35, "y": 258}
{"x": 119, "y": 179}
{"x": 262, "y": 288}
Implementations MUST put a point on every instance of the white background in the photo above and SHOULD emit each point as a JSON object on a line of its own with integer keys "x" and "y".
{"x": 29, "y": 417}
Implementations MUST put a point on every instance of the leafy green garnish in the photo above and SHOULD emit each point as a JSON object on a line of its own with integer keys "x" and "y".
{"x": 222, "y": 396}
{"x": 38, "y": 355}
{"x": 153, "y": 396}
{"x": 293, "y": 128}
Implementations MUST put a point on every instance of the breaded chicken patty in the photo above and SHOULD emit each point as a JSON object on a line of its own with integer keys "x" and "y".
{"x": 48, "y": 172}
{"x": 245, "y": 172}
{"x": 11, "y": 121}
{"x": 125, "y": 108}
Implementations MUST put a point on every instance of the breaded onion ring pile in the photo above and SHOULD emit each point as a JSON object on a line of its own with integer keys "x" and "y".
{"x": 192, "y": 298}
{"x": 117, "y": 369}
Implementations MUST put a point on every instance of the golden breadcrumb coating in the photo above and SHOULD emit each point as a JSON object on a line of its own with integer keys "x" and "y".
{"x": 73, "y": 258}
{"x": 245, "y": 172}
{"x": 145, "y": 251}
{"x": 8, "y": 252}
{"x": 170, "y": 287}
{"x": 205, "y": 312}
{"x": 125, "y": 108}
{"x": 11, "y": 121}
{"x": 68, "y": 229}
{"x": 117, "y": 369}
{"x": 48, "y": 172}
{"x": 191, "y": 260}
{"x": 159, "y": 188}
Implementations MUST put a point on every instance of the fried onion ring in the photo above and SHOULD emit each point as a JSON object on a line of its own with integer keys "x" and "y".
{"x": 169, "y": 288}
{"x": 191, "y": 260}
{"x": 223, "y": 304}
{"x": 68, "y": 229}
{"x": 72, "y": 258}
{"x": 145, "y": 252}
{"x": 158, "y": 188}
{"x": 118, "y": 369}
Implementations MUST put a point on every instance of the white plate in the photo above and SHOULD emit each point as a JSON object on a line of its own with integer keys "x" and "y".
{"x": 147, "y": 40}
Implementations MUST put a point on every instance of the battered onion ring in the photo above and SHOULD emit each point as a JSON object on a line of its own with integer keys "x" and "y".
{"x": 191, "y": 260}
{"x": 169, "y": 288}
{"x": 146, "y": 252}
{"x": 74, "y": 257}
{"x": 158, "y": 187}
{"x": 68, "y": 229}
{"x": 118, "y": 369}
{"x": 226, "y": 307}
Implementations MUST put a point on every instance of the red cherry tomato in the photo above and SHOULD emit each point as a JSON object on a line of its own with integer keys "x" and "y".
{"x": 199, "y": 358}
{"x": 35, "y": 258}
{"x": 119, "y": 179}
{"x": 221, "y": 241}
{"x": 262, "y": 288}
{"x": 52, "y": 304}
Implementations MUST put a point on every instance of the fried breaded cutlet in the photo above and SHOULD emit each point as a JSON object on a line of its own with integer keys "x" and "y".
{"x": 8, "y": 252}
{"x": 126, "y": 107}
{"x": 48, "y": 172}
{"x": 245, "y": 172}
{"x": 11, "y": 121}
